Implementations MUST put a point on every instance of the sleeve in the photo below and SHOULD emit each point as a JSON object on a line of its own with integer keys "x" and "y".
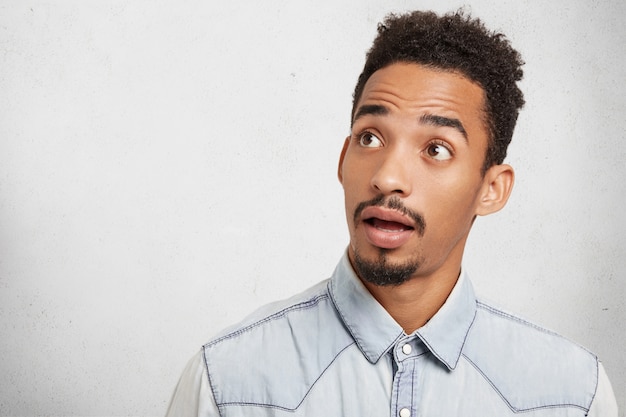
{"x": 193, "y": 396}
{"x": 603, "y": 404}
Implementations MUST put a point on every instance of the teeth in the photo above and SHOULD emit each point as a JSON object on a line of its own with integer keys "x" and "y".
{"x": 389, "y": 230}
{"x": 388, "y": 226}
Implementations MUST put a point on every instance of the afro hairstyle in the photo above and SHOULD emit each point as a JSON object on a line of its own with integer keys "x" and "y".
{"x": 458, "y": 43}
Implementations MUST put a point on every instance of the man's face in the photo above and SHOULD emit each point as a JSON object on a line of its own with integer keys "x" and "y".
{"x": 411, "y": 172}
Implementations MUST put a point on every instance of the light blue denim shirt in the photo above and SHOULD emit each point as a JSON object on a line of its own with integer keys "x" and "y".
{"x": 334, "y": 351}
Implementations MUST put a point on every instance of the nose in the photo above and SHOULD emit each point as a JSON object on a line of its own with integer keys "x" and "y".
{"x": 393, "y": 174}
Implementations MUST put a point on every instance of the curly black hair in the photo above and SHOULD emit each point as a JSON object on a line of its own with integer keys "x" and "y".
{"x": 459, "y": 43}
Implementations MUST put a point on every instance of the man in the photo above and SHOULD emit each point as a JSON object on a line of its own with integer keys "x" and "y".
{"x": 397, "y": 329}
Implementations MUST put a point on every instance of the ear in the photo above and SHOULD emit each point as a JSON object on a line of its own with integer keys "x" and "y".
{"x": 497, "y": 186}
{"x": 346, "y": 143}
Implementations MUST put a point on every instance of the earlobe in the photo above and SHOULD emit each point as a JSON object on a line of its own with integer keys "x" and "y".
{"x": 346, "y": 143}
{"x": 497, "y": 186}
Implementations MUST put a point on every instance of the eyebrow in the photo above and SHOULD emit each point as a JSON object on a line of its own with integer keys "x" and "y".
{"x": 442, "y": 121}
{"x": 427, "y": 119}
{"x": 370, "y": 109}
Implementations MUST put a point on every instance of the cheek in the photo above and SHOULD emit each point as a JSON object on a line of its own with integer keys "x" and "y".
{"x": 355, "y": 182}
{"x": 454, "y": 200}
{"x": 351, "y": 199}
{"x": 349, "y": 166}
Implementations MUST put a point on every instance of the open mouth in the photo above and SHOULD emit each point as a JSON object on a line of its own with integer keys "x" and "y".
{"x": 387, "y": 225}
{"x": 387, "y": 229}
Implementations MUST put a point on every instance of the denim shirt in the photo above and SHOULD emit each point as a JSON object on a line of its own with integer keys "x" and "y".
{"x": 333, "y": 350}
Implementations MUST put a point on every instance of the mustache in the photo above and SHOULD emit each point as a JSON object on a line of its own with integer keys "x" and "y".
{"x": 393, "y": 203}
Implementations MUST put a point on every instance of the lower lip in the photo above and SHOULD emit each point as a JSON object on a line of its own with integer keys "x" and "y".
{"x": 386, "y": 239}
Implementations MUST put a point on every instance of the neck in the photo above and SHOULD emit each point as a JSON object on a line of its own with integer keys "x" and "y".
{"x": 414, "y": 302}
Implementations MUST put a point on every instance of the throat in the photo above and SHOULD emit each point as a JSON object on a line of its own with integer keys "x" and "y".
{"x": 413, "y": 303}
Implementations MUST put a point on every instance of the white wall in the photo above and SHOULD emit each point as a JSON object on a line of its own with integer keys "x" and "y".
{"x": 165, "y": 167}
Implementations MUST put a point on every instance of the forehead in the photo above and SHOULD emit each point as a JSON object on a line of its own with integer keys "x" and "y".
{"x": 413, "y": 88}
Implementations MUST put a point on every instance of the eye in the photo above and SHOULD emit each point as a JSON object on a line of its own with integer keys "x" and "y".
{"x": 369, "y": 140}
{"x": 438, "y": 151}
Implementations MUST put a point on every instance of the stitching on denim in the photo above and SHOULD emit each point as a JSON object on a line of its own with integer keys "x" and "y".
{"x": 208, "y": 374}
{"x": 397, "y": 383}
{"x": 595, "y": 392}
{"x": 459, "y": 352}
{"x": 520, "y": 410}
{"x": 412, "y": 373}
{"x": 300, "y": 306}
{"x": 413, "y": 377}
{"x": 345, "y": 323}
{"x": 527, "y": 323}
{"x": 467, "y": 333}
{"x": 303, "y": 398}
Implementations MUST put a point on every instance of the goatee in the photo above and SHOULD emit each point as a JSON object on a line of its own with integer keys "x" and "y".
{"x": 381, "y": 272}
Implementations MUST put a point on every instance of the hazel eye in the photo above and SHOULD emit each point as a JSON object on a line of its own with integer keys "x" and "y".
{"x": 369, "y": 140}
{"x": 438, "y": 151}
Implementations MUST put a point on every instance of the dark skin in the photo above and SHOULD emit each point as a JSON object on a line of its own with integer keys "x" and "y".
{"x": 419, "y": 137}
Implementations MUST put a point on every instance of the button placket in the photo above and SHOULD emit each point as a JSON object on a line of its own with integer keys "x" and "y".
{"x": 406, "y": 354}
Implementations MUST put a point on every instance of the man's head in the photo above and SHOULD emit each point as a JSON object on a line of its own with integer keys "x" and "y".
{"x": 455, "y": 42}
{"x": 435, "y": 97}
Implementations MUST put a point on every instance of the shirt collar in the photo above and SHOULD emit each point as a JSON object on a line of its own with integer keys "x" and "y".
{"x": 375, "y": 331}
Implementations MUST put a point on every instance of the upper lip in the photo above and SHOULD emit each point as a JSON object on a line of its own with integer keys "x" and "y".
{"x": 386, "y": 215}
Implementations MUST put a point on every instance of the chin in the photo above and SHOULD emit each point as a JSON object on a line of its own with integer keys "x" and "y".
{"x": 381, "y": 268}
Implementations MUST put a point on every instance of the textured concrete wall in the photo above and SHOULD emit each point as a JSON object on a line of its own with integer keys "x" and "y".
{"x": 165, "y": 167}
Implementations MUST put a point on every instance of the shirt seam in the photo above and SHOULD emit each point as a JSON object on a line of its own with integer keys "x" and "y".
{"x": 595, "y": 392}
{"x": 208, "y": 375}
{"x": 312, "y": 302}
{"x": 517, "y": 319}
{"x": 241, "y": 403}
{"x": 511, "y": 407}
{"x": 345, "y": 323}
{"x": 457, "y": 353}
{"x": 413, "y": 378}
{"x": 397, "y": 382}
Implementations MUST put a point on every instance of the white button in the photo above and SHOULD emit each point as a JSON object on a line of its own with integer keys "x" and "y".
{"x": 405, "y": 412}
{"x": 406, "y": 349}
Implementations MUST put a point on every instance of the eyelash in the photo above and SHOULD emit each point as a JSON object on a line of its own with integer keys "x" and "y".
{"x": 438, "y": 142}
{"x": 441, "y": 143}
{"x": 358, "y": 136}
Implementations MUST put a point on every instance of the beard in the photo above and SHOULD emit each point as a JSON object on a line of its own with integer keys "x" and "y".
{"x": 380, "y": 272}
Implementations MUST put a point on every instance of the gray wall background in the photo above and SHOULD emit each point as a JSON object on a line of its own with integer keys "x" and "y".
{"x": 166, "y": 167}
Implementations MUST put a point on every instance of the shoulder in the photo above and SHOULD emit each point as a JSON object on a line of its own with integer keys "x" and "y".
{"x": 514, "y": 353}
{"x": 290, "y": 340}
{"x": 276, "y": 312}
